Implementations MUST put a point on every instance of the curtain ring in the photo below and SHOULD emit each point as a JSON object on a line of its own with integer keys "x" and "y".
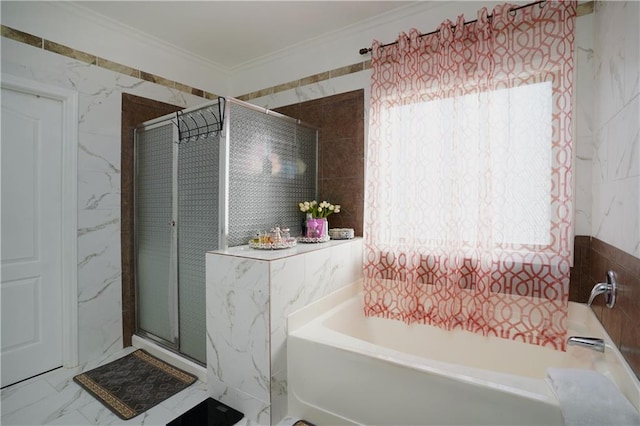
{"x": 512, "y": 12}
{"x": 542, "y": 4}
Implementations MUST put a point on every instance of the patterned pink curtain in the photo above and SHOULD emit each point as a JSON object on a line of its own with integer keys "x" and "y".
{"x": 468, "y": 199}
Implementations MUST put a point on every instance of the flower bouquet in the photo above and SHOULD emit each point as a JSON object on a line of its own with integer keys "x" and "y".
{"x": 315, "y": 226}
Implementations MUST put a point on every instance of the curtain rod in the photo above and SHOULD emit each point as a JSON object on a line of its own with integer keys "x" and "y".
{"x": 366, "y": 50}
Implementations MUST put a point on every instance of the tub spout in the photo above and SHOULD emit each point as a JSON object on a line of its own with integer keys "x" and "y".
{"x": 593, "y": 343}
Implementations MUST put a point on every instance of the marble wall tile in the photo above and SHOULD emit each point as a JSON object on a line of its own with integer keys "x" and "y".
{"x": 609, "y": 53}
{"x": 287, "y": 293}
{"x": 629, "y": 192}
{"x": 256, "y": 412}
{"x": 317, "y": 275}
{"x": 279, "y": 395}
{"x": 99, "y": 109}
{"x": 296, "y": 282}
{"x": 623, "y": 159}
{"x": 248, "y": 301}
{"x": 616, "y": 161}
{"x": 238, "y": 324}
{"x": 241, "y": 343}
{"x": 96, "y": 153}
{"x": 333, "y": 86}
{"x": 99, "y": 283}
{"x": 582, "y": 217}
{"x": 346, "y": 265}
{"x": 583, "y": 90}
{"x": 600, "y": 156}
{"x": 583, "y": 116}
{"x": 632, "y": 50}
{"x": 98, "y": 190}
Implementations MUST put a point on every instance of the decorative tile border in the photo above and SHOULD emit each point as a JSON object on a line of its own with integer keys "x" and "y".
{"x": 583, "y": 9}
{"x": 316, "y": 78}
{"x": 90, "y": 59}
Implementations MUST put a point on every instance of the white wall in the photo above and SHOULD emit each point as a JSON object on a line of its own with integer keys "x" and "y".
{"x": 100, "y": 93}
{"x": 99, "y": 127}
{"x": 341, "y": 48}
{"x": 84, "y": 30}
{"x": 616, "y": 159}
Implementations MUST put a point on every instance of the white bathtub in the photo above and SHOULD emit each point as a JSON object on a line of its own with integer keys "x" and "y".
{"x": 344, "y": 368}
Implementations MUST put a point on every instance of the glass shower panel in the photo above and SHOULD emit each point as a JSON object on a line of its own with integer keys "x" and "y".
{"x": 272, "y": 167}
{"x": 155, "y": 260}
{"x": 198, "y": 170}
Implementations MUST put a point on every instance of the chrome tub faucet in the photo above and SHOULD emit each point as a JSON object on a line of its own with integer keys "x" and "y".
{"x": 592, "y": 343}
{"x": 609, "y": 289}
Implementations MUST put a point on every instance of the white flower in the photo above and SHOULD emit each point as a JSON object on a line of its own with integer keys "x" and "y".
{"x": 318, "y": 210}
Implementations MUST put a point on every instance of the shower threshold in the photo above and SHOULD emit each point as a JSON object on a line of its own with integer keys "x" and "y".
{"x": 170, "y": 357}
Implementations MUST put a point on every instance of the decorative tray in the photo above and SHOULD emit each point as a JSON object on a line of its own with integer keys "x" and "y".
{"x": 314, "y": 239}
{"x": 284, "y": 244}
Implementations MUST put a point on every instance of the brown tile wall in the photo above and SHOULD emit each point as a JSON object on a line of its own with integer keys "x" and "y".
{"x": 340, "y": 120}
{"x": 135, "y": 110}
{"x": 578, "y": 291}
{"x": 593, "y": 258}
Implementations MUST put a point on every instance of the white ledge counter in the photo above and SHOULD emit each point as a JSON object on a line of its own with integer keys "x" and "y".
{"x": 300, "y": 248}
{"x": 249, "y": 294}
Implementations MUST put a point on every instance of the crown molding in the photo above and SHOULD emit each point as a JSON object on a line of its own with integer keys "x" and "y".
{"x": 127, "y": 31}
{"x": 345, "y": 32}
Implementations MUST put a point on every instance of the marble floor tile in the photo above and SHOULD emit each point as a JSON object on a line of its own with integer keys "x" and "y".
{"x": 54, "y": 398}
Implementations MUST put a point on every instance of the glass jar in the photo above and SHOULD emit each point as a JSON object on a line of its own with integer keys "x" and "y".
{"x": 285, "y": 233}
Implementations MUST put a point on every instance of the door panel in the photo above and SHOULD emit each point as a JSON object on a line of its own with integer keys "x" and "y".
{"x": 156, "y": 274}
{"x": 31, "y": 287}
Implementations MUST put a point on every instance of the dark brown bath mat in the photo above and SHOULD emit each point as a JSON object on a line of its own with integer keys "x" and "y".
{"x": 131, "y": 385}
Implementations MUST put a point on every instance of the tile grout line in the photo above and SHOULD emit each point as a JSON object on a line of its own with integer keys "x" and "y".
{"x": 53, "y": 47}
{"x": 32, "y": 40}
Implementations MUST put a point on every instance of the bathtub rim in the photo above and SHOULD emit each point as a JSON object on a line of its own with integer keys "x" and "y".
{"x": 317, "y": 312}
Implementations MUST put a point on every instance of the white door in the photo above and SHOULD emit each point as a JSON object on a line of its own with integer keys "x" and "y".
{"x": 31, "y": 217}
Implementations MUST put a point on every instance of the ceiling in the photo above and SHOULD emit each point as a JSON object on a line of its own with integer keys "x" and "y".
{"x": 232, "y": 33}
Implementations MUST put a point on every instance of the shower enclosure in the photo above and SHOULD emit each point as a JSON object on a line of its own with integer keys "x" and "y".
{"x": 209, "y": 178}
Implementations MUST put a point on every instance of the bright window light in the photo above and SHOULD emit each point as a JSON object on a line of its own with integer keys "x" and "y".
{"x": 484, "y": 167}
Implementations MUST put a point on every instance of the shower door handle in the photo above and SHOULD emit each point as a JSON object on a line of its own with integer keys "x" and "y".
{"x": 172, "y": 223}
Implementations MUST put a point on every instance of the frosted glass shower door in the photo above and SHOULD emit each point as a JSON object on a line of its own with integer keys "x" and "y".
{"x": 176, "y": 224}
{"x": 198, "y": 171}
{"x": 156, "y": 271}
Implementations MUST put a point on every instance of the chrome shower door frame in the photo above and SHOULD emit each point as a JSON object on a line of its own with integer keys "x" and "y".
{"x": 174, "y": 343}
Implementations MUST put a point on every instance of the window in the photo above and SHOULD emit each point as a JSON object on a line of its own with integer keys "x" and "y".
{"x": 471, "y": 158}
